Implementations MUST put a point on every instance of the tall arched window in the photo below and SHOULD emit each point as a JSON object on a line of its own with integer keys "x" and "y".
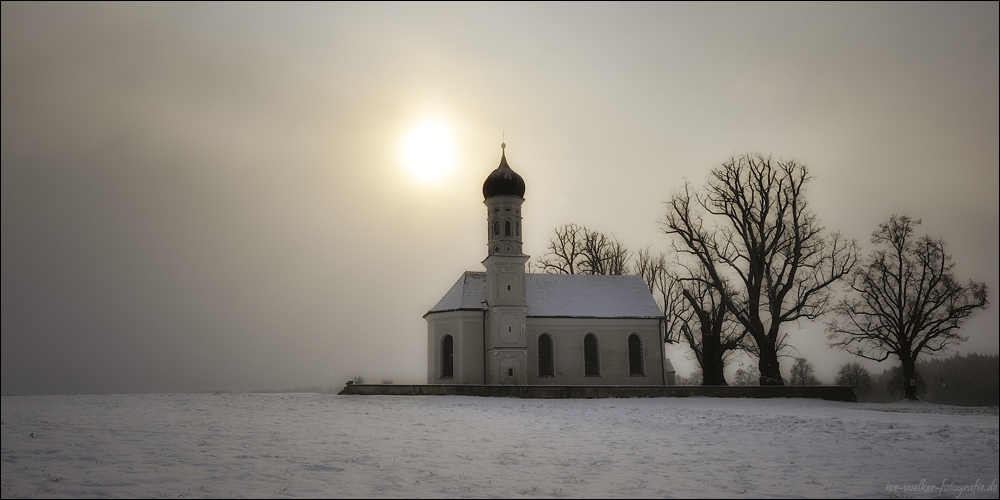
{"x": 546, "y": 367}
{"x": 635, "y": 367}
{"x": 496, "y": 228}
{"x": 447, "y": 357}
{"x": 591, "y": 356}
{"x": 506, "y": 228}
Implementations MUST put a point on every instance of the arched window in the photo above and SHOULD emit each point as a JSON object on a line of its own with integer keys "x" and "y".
{"x": 496, "y": 227}
{"x": 591, "y": 356}
{"x": 447, "y": 357}
{"x": 518, "y": 228}
{"x": 545, "y": 364}
{"x": 506, "y": 228}
{"x": 635, "y": 368}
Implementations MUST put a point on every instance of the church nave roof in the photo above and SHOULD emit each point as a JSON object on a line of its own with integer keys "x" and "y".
{"x": 561, "y": 295}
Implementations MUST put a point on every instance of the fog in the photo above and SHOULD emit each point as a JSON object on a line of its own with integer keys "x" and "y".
{"x": 211, "y": 197}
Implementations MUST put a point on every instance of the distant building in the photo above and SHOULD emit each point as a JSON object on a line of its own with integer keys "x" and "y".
{"x": 505, "y": 326}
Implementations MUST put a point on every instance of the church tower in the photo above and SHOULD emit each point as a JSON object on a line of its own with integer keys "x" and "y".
{"x": 506, "y": 339}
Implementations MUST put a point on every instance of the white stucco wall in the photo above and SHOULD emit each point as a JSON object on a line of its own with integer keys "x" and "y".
{"x": 568, "y": 352}
{"x": 466, "y": 327}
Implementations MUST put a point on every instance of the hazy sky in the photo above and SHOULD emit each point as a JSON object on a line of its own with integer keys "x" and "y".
{"x": 201, "y": 197}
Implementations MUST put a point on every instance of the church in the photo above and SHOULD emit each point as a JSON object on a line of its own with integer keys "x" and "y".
{"x": 504, "y": 326}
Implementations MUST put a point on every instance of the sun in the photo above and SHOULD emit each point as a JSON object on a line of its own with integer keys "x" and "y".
{"x": 429, "y": 149}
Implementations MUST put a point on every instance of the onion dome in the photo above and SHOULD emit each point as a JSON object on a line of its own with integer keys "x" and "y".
{"x": 503, "y": 181}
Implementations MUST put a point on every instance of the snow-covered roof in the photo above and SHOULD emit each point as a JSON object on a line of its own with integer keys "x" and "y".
{"x": 469, "y": 292}
{"x": 561, "y": 295}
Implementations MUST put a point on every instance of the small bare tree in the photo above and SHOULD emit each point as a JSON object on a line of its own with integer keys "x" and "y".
{"x": 649, "y": 267}
{"x": 746, "y": 375}
{"x": 617, "y": 258}
{"x": 694, "y": 379}
{"x": 668, "y": 293}
{"x": 665, "y": 289}
{"x": 854, "y": 374}
{"x": 578, "y": 250}
{"x": 803, "y": 373}
{"x": 905, "y": 301}
{"x": 603, "y": 254}
{"x": 565, "y": 251}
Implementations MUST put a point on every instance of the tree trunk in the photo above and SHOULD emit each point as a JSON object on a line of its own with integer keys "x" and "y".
{"x": 712, "y": 365}
{"x": 909, "y": 379}
{"x": 770, "y": 371}
{"x": 712, "y": 369}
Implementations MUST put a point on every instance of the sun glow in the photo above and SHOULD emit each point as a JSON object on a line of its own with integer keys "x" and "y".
{"x": 429, "y": 150}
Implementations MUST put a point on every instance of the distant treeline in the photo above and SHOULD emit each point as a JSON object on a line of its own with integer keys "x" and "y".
{"x": 972, "y": 380}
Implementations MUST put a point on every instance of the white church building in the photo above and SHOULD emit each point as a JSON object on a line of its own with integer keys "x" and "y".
{"x": 505, "y": 326}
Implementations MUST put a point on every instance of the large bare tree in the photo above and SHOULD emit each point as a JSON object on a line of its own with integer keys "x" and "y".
{"x": 905, "y": 300}
{"x": 694, "y": 312}
{"x": 762, "y": 248}
{"x": 712, "y": 336}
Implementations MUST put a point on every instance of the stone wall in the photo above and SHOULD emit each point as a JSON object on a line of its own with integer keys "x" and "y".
{"x": 828, "y": 392}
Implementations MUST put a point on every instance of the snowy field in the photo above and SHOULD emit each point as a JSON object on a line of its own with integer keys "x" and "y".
{"x": 314, "y": 445}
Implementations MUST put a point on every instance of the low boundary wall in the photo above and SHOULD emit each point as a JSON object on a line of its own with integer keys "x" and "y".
{"x": 828, "y": 392}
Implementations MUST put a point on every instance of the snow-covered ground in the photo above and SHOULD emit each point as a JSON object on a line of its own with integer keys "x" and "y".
{"x": 314, "y": 445}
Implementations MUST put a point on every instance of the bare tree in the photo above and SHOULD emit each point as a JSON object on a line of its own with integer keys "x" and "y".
{"x": 617, "y": 258}
{"x": 564, "y": 252}
{"x": 649, "y": 267}
{"x": 803, "y": 373}
{"x": 694, "y": 379}
{"x": 665, "y": 289}
{"x": 603, "y": 254}
{"x": 905, "y": 301}
{"x": 746, "y": 376}
{"x": 765, "y": 253}
{"x": 854, "y": 374}
{"x": 594, "y": 253}
{"x": 668, "y": 293}
{"x": 704, "y": 325}
{"x": 578, "y": 250}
